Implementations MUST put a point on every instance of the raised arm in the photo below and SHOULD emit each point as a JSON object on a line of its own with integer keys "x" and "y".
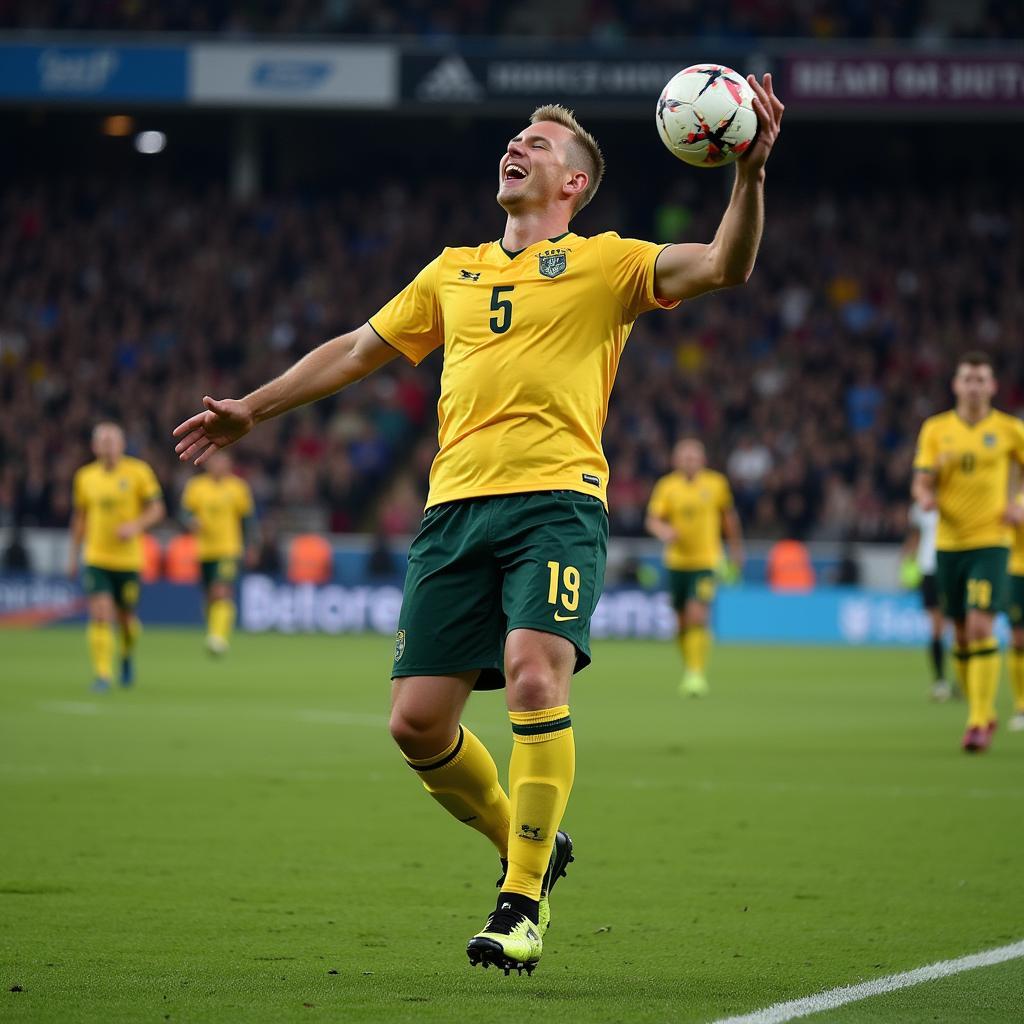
{"x": 329, "y": 368}
{"x": 689, "y": 268}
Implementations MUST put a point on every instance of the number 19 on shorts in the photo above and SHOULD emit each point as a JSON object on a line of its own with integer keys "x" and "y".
{"x": 563, "y": 586}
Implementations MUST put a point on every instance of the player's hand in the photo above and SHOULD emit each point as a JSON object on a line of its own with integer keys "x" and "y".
{"x": 73, "y": 567}
{"x": 768, "y": 108}
{"x": 127, "y": 530}
{"x": 1014, "y": 514}
{"x": 223, "y": 422}
{"x": 927, "y": 502}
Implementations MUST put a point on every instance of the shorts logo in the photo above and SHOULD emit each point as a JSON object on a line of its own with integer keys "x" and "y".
{"x": 399, "y": 644}
{"x": 559, "y": 617}
{"x": 552, "y": 262}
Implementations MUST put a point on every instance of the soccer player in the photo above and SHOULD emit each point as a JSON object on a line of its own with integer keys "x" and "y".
{"x": 507, "y": 567}
{"x": 1015, "y": 611}
{"x": 690, "y": 510}
{"x": 115, "y": 500}
{"x": 920, "y": 545}
{"x": 217, "y": 507}
{"x": 962, "y": 468}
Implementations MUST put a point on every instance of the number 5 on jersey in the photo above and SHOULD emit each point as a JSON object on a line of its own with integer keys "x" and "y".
{"x": 569, "y": 592}
{"x": 503, "y": 307}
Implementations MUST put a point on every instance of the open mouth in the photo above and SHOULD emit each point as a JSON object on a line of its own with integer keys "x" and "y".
{"x": 514, "y": 172}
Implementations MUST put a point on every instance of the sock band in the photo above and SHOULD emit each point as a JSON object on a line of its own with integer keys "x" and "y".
{"x": 440, "y": 760}
{"x": 538, "y": 726}
{"x": 984, "y": 648}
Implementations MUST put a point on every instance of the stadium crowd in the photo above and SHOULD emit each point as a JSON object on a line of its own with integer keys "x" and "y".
{"x": 808, "y": 385}
{"x": 597, "y": 21}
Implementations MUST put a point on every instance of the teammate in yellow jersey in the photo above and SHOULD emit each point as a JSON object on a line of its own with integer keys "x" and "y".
{"x": 114, "y": 500}
{"x": 1015, "y": 611}
{"x": 962, "y": 468}
{"x": 218, "y": 508}
{"x": 690, "y": 510}
{"x": 508, "y": 564}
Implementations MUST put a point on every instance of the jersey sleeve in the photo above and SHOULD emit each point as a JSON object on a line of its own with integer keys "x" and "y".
{"x": 725, "y": 500}
{"x": 79, "y": 499}
{"x": 659, "y": 505}
{"x": 189, "y": 501}
{"x": 1017, "y": 441}
{"x": 412, "y": 321}
{"x": 628, "y": 266}
{"x": 147, "y": 484}
{"x": 926, "y": 457}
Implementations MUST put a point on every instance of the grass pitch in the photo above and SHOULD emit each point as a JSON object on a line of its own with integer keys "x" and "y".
{"x": 238, "y": 841}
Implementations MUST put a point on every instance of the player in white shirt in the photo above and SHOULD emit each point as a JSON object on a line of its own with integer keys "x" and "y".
{"x": 920, "y": 544}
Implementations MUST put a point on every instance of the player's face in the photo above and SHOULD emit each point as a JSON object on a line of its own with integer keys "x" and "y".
{"x": 689, "y": 457}
{"x": 535, "y": 167}
{"x": 108, "y": 442}
{"x": 974, "y": 385}
{"x": 219, "y": 465}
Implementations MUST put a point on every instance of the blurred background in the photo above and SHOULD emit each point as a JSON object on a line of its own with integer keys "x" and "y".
{"x": 194, "y": 195}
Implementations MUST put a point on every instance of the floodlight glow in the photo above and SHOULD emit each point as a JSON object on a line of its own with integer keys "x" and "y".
{"x": 150, "y": 142}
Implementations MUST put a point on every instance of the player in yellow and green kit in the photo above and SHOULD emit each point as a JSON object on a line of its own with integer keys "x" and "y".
{"x": 1015, "y": 612}
{"x": 962, "y": 467}
{"x": 114, "y": 500}
{"x": 507, "y": 567}
{"x": 217, "y": 506}
{"x": 690, "y": 510}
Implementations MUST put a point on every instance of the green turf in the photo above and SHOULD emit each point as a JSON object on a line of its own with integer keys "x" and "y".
{"x": 238, "y": 841}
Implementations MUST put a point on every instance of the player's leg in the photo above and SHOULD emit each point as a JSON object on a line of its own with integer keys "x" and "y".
{"x": 941, "y": 690}
{"x": 448, "y": 641}
{"x": 454, "y": 766}
{"x": 984, "y": 598}
{"x": 1015, "y": 611}
{"x": 220, "y": 605}
{"x": 679, "y": 592}
{"x": 951, "y": 585}
{"x": 126, "y": 599}
{"x": 99, "y": 630}
{"x": 697, "y": 643}
{"x": 552, "y": 549}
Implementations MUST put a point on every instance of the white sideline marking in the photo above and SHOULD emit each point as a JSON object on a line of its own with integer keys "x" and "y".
{"x": 833, "y": 998}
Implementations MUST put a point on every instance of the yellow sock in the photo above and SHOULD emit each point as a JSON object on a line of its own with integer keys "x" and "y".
{"x": 220, "y": 618}
{"x": 982, "y": 681}
{"x": 696, "y": 646}
{"x": 682, "y": 643}
{"x": 101, "y": 648}
{"x": 130, "y": 633}
{"x": 540, "y": 777}
{"x": 463, "y": 779}
{"x": 1016, "y": 665}
{"x": 960, "y": 658}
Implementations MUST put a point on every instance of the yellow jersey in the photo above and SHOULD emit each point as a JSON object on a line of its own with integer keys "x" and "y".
{"x": 694, "y": 507}
{"x": 532, "y": 342}
{"x": 1017, "y": 551}
{"x": 110, "y": 498}
{"x": 971, "y": 464}
{"x": 218, "y": 506}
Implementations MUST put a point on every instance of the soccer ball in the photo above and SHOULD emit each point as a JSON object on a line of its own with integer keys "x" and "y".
{"x": 705, "y": 115}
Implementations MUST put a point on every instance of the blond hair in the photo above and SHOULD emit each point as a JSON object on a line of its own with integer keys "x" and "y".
{"x": 586, "y": 153}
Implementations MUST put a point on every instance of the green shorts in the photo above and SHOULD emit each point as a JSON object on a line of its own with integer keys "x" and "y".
{"x": 121, "y": 585}
{"x": 973, "y": 579}
{"x": 1015, "y": 605}
{"x": 482, "y": 567}
{"x": 685, "y": 585}
{"x": 219, "y": 570}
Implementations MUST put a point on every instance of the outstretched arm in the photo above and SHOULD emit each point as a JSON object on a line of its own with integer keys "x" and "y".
{"x": 334, "y": 365}
{"x": 689, "y": 268}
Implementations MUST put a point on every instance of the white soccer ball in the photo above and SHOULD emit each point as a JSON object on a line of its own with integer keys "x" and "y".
{"x": 706, "y": 116}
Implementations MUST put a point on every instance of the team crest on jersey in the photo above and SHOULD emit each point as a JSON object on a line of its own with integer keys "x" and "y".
{"x": 989, "y": 440}
{"x": 399, "y": 644}
{"x": 552, "y": 262}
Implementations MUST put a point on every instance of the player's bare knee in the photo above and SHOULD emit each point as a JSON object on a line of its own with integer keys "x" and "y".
{"x": 418, "y": 732}
{"x": 533, "y": 685}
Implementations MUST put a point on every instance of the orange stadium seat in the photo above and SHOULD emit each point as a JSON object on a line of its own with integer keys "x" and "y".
{"x": 181, "y": 563}
{"x": 789, "y": 567}
{"x": 310, "y": 559}
{"x": 152, "y": 557}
